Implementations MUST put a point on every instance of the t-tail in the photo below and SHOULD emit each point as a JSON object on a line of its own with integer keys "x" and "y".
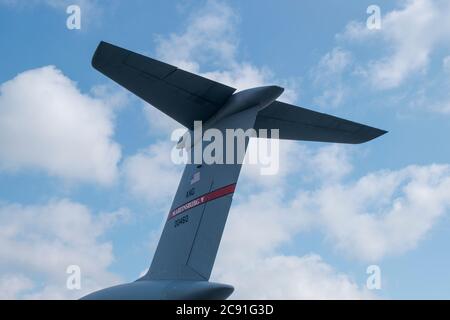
{"x": 188, "y": 246}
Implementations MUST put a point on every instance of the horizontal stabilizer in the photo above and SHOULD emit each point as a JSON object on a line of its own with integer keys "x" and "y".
{"x": 182, "y": 95}
{"x": 296, "y": 123}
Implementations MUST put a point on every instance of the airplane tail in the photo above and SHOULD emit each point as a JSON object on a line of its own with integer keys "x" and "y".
{"x": 193, "y": 230}
{"x": 190, "y": 239}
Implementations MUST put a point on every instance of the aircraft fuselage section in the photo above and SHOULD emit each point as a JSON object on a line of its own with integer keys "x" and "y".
{"x": 164, "y": 290}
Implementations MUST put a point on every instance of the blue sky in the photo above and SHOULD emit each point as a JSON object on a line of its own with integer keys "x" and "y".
{"x": 85, "y": 177}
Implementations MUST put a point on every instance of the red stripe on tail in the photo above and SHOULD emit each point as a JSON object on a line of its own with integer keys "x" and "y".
{"x": 218, "y": 193}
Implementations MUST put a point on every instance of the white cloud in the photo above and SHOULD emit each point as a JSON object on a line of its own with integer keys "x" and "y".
{"x": 291, "y": 277}
{"x": 332, "y": 97}
{"x": 383, "y": 213}
{"x": 257, "y": 230}
{"x": 161, "y": 125}
{"x": 328, "y": 162}
{"x": 46, "y": 123}
{"x": 446, "y": 64}
{"x": 11, "y": 285}
{"x": 410, "y": 35}
{"x": 328, "y": 75}
{"x": 250, "y": 249}
{"x": 356, "y": 31}
{"x": 442, "y": 107}
{"x": 210, "y": 38}
{"x": 113, "y": 95}
{"x": 334, "y": 62}
{"x": 41, "y": 241}
{"x": 151, "y": 174}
